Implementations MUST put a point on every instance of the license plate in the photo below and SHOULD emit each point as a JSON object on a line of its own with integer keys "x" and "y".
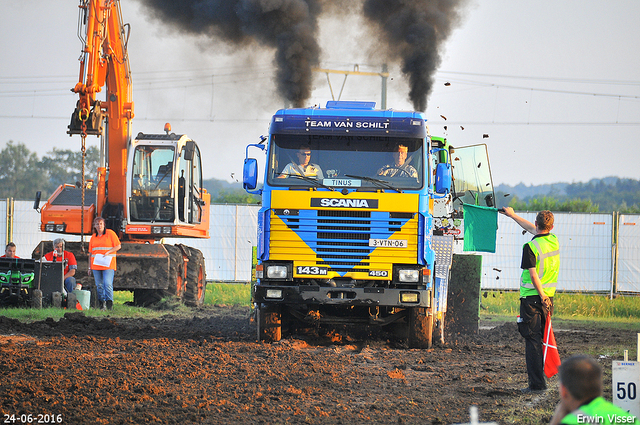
{"x": 389, "y": 243}
{"x": 312, "y": 270}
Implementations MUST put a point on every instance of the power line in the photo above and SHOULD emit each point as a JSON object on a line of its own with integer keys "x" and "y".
{"x": 554, "y": 79}
{"x": 212, "y": 120}
{"x": 429, "y": 122}
{"x": 177, "y": 76}
{"x": 546, "y": 90}
{"x": 536, "y": 123}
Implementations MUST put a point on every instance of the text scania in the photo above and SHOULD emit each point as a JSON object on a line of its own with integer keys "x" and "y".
{"x": 346, "y": 124}
{"x": 344, "y": 203}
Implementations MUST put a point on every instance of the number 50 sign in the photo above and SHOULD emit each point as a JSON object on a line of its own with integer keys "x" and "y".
{"x": 626, "y": 386}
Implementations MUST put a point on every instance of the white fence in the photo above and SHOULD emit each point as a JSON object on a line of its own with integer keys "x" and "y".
{"x": 227, "y": 252}
{"x": 628, "y": 261}
{"x": 590, "y": 260}
{"x": 586, "y": 253}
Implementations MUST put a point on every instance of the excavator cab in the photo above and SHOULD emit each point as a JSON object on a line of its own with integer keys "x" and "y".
{"x": 166, "y": 183}
{"x": 151, "y": 197}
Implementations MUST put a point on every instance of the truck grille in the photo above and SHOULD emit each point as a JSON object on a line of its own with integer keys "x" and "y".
{"x": 339, "y": 240}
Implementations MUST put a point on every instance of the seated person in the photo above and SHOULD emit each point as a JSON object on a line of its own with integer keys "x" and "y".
{"x": 70, "y": 265}
{"x": 302, "y": 166}
{"x": 580, "y": 390}
{"x": 10, "y": 251}
{"x": 399, "y": 168}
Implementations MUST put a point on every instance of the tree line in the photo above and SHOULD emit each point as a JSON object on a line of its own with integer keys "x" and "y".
{"x": 597, "y": 196}
{"x": 22, "y": 174}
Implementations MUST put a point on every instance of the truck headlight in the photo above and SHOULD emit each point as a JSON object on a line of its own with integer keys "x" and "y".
{"x": 408, "y": 276}
{"x": 277, "y": 272}
{"x": 274, "y": 293}
{"x": 409, "y": 297}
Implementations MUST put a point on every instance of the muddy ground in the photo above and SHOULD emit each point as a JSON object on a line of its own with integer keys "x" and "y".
{"x": 207, "y": 368}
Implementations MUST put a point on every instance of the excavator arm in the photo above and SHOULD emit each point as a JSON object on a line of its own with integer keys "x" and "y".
{"x": 105, "y": 63}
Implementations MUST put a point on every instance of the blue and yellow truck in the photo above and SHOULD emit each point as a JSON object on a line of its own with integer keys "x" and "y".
{"x": 359, "y": 219}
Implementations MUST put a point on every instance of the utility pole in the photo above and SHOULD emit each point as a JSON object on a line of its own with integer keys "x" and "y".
{"x": 383, "y": 97}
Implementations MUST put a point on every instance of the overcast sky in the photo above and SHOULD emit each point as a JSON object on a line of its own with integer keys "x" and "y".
{"x": 555, "y": 84}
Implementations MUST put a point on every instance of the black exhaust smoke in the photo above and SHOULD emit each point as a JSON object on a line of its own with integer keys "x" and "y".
{"x": 289, "y": 26}
{"x": 413, "y": 32}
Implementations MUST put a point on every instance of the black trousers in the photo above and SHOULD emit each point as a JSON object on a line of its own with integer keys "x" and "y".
{"x": 533, "y": 317}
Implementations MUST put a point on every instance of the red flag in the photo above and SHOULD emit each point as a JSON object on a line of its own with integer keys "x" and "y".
{"x": 551, "y": 356}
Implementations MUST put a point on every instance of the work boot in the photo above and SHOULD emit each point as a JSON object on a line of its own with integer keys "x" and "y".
{"x": 103, "y": 305}
{"x": 109, "y": 305}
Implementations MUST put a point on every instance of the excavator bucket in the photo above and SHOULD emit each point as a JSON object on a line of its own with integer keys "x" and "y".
{"x": 142, "y": 266}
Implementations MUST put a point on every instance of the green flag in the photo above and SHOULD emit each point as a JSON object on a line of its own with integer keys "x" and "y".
{"x": 480, "y": 228}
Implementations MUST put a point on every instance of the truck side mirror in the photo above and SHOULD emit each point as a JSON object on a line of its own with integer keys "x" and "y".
{"x": 36, "y": 202}
{"x": 488, "y": 200}
{"x": 443, "y": 178}
{"x": 250, "y": 174}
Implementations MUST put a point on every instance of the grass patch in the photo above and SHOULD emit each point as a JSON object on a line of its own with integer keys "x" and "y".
{"x": 216, "y": 294}
{"x": 228, "y": 294}
{"x": 568, "y": 306}
{"x": 120, "y": 309}
{"x": 622, "y": 311}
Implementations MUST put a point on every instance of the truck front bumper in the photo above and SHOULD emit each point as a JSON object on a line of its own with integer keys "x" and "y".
{"x": 323, "y": 295}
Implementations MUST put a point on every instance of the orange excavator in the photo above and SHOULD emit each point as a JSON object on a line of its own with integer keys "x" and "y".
{"x": 147, "y": 189}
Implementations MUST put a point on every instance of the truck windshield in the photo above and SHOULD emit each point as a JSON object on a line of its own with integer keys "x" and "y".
{"x": 346, "y": 161}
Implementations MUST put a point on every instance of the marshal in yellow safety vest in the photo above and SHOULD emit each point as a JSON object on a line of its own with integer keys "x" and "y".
{"x": 547, "y": 251}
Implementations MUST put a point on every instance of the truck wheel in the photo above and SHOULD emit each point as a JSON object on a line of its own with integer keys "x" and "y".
{"x": 196, "y": 279}
{"x": 420, "y": 328}
{"x": 269, "y": 323}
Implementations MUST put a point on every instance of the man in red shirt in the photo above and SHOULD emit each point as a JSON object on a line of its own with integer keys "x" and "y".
{"x": 70, "y": 264}
{"x": 10, "y": 251}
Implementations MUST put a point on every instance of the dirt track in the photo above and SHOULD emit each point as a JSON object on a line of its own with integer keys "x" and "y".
{"x": 209, "y": 369}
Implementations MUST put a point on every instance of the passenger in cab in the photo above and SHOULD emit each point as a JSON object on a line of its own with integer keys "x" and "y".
{"x": 302, "y": 166}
